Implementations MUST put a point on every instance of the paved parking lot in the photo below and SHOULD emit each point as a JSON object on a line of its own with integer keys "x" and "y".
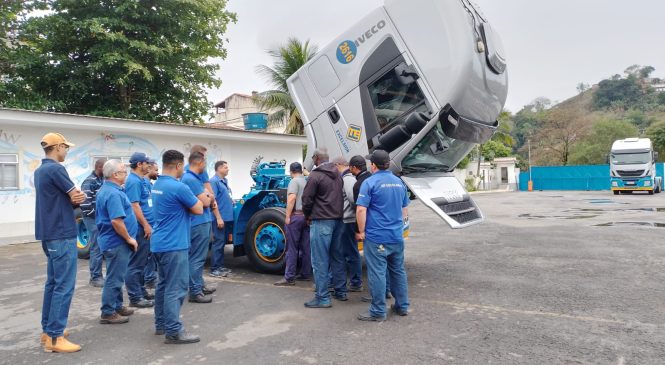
{"x": 550, "y": 277}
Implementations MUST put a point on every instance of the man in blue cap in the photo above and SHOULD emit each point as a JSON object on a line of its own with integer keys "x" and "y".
{"x": 138, "y": 192}
{"x": 381, "y": 208}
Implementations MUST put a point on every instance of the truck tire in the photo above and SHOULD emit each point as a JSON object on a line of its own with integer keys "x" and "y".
{"x": 265, "y": 240}
{"x": 651, "y": 192}
{"x": 658, "y": 188}
{"x": 82, "y": 239}
{"x": 616, "y": 192}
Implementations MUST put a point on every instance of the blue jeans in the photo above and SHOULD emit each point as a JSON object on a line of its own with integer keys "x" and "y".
{"x": 137, "y": 262}
{"x": 61, "y": 258}
{"x": 117, "y": 260}
{"x": 327, "y": 254}
{"x": 173, "y": 269}
{"x": 96, "y": 256}
{"x": 218, "y": 243}
{"x": 382, "y": 258}
{"x": 198, "y": 252}
{"x": 354, "y": 265}
{"x": 150, "y": 272}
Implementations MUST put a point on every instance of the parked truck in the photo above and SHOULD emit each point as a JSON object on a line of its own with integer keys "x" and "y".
{"x": 423, "y": 80}
{"x": 633, "y": 167}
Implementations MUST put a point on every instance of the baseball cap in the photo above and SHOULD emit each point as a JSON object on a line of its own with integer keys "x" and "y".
{"x": 138, "y": 157}
{"x": 295, "y": 167}
{"x": 379, "y": 157}
{"x": 358, "y": 161}
{"x": 54, "y": 139}
{"x": 151, "y": 161}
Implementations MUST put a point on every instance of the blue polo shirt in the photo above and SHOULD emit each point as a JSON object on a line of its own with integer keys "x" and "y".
{"x": 384, "y": 195}
{"x": 171, "y": 203}
{"x": 54, "y": 213}
{"x": 112, "y": 203}
{"x": 195, "y": 184}
{"x": 223, "y": 197}
{"x": 138, "y": 191}
{"x": 203, "y": 176}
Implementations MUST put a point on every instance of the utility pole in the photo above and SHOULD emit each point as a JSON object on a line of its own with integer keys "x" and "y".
{"x": 530, "y": 186}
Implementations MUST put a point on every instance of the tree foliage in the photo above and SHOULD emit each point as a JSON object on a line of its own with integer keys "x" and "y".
{"x": 288, "y": 59}
{"x": 120, "y": 58}
{"x": 593, "y": 150}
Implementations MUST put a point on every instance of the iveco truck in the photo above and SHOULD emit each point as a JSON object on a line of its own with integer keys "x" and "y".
{"x": 633, "y": 166}
{"x": 423, "y": 80}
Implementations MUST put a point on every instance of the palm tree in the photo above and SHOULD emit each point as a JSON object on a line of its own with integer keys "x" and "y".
{"x": 288, "y": 59}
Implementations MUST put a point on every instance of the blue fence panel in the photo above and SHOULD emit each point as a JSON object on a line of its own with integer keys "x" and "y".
{"x": 583, "y": 177}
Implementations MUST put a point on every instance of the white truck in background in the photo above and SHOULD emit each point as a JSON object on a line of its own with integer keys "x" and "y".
{"x": 424, "y": 80}
{"x": 633, "y": 167}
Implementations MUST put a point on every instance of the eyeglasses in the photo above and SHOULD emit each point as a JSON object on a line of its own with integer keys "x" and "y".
{"x": 121, "y": 172}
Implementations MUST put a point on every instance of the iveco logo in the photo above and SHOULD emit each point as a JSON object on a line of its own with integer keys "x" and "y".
{"x": 347, "y": 50}
{"x": 369, "y": 33}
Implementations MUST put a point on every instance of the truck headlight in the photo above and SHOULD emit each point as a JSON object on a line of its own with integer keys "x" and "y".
{"x": 615, "y": 184}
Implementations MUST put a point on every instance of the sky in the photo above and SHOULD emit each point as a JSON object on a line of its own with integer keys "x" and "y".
{"x": 551, "y": 46}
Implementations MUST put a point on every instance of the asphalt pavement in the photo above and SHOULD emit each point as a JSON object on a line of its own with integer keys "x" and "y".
{"x": 549, "y": 278}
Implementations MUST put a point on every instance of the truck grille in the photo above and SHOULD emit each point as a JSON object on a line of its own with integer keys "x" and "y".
{"x": 462, "y": 212}
{"x": 636, "y": 173}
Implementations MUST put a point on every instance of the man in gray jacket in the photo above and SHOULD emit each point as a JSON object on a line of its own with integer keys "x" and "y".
{"x": 348, "y": 235}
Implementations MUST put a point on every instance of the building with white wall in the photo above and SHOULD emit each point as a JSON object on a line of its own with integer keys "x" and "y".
{"x": 20, "y": 153}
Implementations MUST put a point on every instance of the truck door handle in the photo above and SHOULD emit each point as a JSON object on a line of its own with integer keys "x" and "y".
{"x": 334, "y": 115}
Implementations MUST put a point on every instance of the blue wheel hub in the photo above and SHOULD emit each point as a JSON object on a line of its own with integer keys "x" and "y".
{"x": 269, "y": 241}
{"x": 82, "y": 235}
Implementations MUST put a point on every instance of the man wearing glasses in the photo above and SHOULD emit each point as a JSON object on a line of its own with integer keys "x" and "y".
{"x": 55, "y": 226}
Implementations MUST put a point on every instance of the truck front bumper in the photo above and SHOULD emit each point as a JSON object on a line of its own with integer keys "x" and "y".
{"x": 636, "y": 184}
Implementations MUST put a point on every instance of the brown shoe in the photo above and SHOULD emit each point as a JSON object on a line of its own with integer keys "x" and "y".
{"x": 125, "y": 312}
{"x": 60, "y": 344}
{"x": 44, "y": 337}
{"x": 114, "y": 318}
{"x": 285, "y": 282}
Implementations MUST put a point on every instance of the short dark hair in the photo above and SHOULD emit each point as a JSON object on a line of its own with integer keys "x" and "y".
{"x": 49, "y": 149}
{"x": 219, "y": 164}
{"x": 296, "y": 167}
{"x": 100, "y": 162}
{"x": 196, "y": 157}
{"x": 172, "y": 157}
{"x": 198, "y": 148}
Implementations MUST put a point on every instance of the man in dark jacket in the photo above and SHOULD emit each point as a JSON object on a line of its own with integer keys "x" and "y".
{"x": 90, "y": 187}
{"x": 323, "y": 204}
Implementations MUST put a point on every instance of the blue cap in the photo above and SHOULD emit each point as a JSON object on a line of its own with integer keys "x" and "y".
{"x": 138, "y": 157}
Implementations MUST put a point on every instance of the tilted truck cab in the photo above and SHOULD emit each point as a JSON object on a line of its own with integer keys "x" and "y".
{"x": 424, "y": 80}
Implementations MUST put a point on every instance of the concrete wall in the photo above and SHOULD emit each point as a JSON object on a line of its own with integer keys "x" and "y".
{"x": 21, "y": 133}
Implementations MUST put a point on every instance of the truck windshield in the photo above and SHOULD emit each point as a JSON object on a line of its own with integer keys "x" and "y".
{"x": 631, "y": 158}
{"x": 436, "y": 152}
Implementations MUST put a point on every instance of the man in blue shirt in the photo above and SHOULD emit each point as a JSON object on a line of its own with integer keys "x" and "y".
{"x": 117, "y": 231}
{"x": 200, "y": 228}
{"x": 173, "y": 202}
{"x": 381, "y": 209}
{"x": 224, "y": 226}
{"x": 150, "y": 272}
{"x": 90, "y": 187}
{"x": 56, "y": 196}
{"x": 138, "y": 192}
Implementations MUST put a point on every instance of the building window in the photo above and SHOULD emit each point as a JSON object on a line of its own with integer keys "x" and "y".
{"x": 504, "y": 175}
{"x": 8, "y": 172}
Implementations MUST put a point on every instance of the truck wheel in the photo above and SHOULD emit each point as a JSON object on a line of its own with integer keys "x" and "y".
{"x": 82, "y": 239}
{"x": 265, "y": 240}
{"x": 616, "y": 192}
{"x": 658, "y": 189}
{"x": 651, "y": 192}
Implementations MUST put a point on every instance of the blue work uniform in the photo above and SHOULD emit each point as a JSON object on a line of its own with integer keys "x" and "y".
{"x": 138, "y": 191}
{"x": 170, "y": 244}
{"x": 220, "y": 188}
{"x": 201, "y": 231}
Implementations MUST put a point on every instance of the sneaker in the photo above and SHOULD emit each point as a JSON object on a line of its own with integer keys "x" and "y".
{"x": 97, "y": 283}
{"x": 341, "y": 297}
{"x": 124, "y": 311}
{"x": 201, "y": 298}
{"x": 114, "y": 318}
{"x": 368, "y": 298}
{"x": 218, "y": 274}
{"x": 181, "y": 338}
{"x": 208, "y": 290}
{"x": 370, "y": 318}
{"x": 399, "y": 312}
{"x": 149, "y": 296}
{"x": 44, "y": 337}
{"x": 355, "y": 288}
{"x": 389, "y": 296}
{"x": 315, "y": 303}
{"x": 142, "y": 303}
{"x": 150, "y": 284}
{"x": 159, "y": 332}
{"x": 60, "y": 344}
{"x": 285, "y": 282}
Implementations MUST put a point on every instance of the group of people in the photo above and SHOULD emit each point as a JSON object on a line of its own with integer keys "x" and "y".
{"x": 161, "y": 233}
{"x": 339, "y": 204}
{"x": 143, "y": 231}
